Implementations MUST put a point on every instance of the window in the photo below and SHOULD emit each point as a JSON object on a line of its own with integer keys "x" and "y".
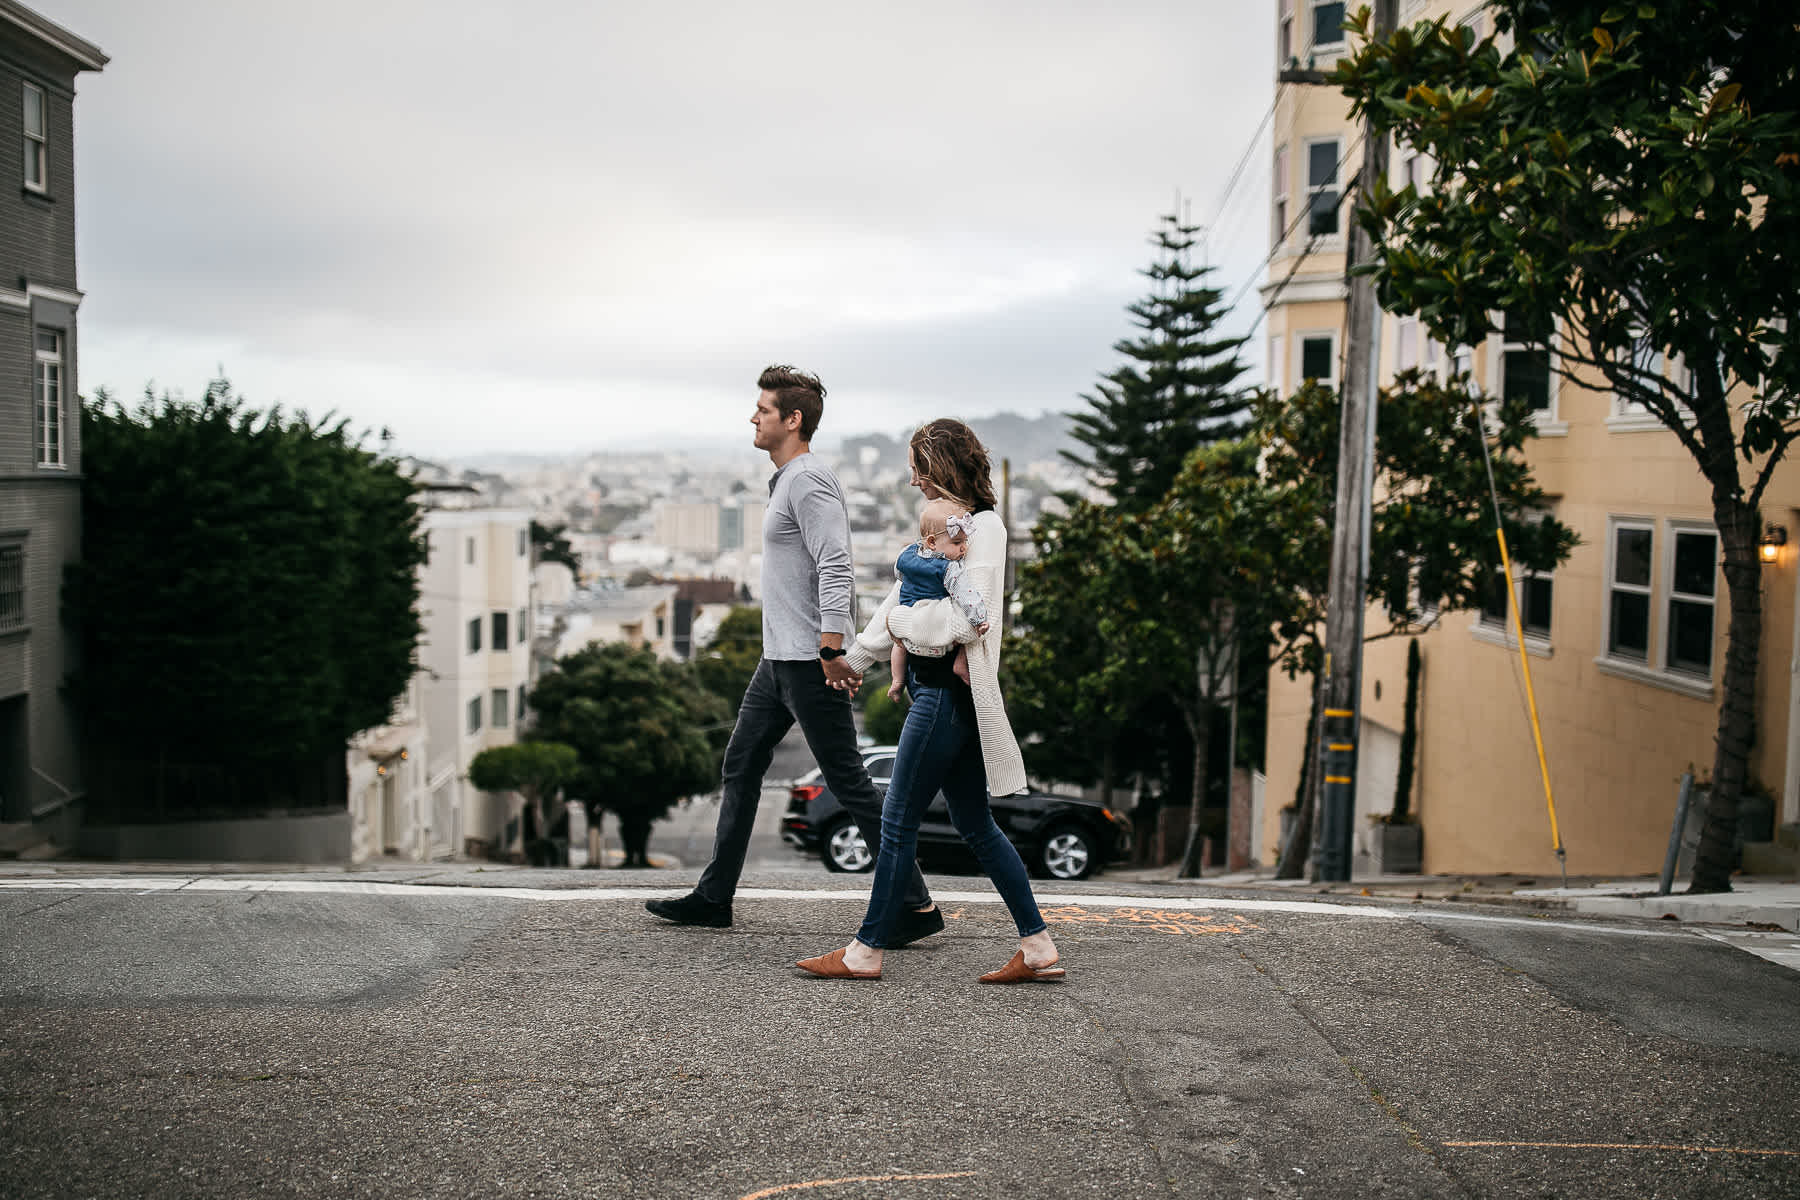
{"x": 659, "y": 627}
{"x": 1693, "y": 579}
{"x": 521, "y": 709}
{"x": 1284, "y": 38}
{"x": 1628, "y": 604}
{"x": 37, "y": 153}
{"x": 1322, "y": 187}
{"x": 1279, "y": 190}
{"x": 501, "y": 641}
{"x": 1648, "y": 361}
{"x": 524, "y": 543}
{"x": 475, "y": 715}
{"x": 1406, "y": 344}
{"x": 1328, "y": 23}
{"x": 12, "y": 587}
{"x": 474, "y": 634}
{"x": 499, "y": 714}
{"x": 523, "y": 626}
{"x": 1525, "y": 363}
{"x": 1536, "y": 594}
{"x": 1434, "y": 356}
{"x": 1318, "y": 357}
{"x": 47, "y": 390}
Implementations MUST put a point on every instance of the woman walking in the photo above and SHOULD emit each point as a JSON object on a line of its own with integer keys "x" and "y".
{"x": 956, "y": 737}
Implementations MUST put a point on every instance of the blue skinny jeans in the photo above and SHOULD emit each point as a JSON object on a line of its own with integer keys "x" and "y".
{"x": 939, "y": 750}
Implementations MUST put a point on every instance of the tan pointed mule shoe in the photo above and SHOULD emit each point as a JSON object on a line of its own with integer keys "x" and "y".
{"x": 1017, "y": 970}
{"x": 831, "y": 966}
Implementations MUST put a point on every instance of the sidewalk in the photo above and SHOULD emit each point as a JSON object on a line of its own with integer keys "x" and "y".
{"x": 1754, "y": 900}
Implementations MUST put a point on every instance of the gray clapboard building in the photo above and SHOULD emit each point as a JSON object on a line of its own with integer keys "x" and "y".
{"x": 40, "y": 445}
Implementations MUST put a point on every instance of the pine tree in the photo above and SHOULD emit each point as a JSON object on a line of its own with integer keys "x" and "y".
{"x": 1178, "y": 389}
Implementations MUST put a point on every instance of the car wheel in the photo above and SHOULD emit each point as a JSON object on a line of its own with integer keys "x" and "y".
{"x": 1068, "y": 853}
{"x": 843, "y": 848}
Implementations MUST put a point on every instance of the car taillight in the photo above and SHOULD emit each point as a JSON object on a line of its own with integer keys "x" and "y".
{"x": 808, "y": 791}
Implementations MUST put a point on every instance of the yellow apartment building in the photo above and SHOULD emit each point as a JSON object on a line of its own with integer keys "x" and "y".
{"x": 1626, "y": 640}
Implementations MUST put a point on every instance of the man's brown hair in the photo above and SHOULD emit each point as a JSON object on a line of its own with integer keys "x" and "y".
{"x": 795, "y": 391}
{"x": 947, "y": 454}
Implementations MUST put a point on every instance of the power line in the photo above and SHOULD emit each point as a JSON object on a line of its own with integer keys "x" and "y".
{"x": 1244, "y": 160}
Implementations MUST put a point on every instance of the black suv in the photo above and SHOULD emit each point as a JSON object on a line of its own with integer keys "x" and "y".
{"x": 1063, "y": 837}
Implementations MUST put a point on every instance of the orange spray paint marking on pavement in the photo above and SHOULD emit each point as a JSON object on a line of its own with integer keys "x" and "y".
{"x": 1175, "y": 921}
{"x": 825, "y": 1183}
{"x": 1627, "y": 1146}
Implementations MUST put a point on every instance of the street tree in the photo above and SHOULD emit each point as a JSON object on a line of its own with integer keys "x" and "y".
{"x": 646, "y": 732}
{"x": 1177, "y": 389}
{"x": 727, "y": 662}
{"x": 1625, "y": 174}
{"x": 246, "y": 599}
{"x": 1192, "y": 583}
{"x": 1432, "y": 548}
{"x": 537, "y": 771}
{"x": 553, "y": 546}
{"x": 1065, "y": 692}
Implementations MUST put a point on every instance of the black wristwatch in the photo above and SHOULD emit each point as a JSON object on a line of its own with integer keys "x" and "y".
{"x": 827, "y": 653}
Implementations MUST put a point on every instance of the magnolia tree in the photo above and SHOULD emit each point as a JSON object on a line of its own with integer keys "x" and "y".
{"x": 1624, "y": 174}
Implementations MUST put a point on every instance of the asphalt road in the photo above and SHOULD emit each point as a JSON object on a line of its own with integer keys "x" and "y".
{"x": 230, "y": 1037}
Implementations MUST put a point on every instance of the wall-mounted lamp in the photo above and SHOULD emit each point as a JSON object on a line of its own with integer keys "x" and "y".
{"x": 1773, "y": 539}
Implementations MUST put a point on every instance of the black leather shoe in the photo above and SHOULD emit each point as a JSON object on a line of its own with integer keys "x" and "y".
{"x": 913, "y": 925}
{"x": 694, "y": 909}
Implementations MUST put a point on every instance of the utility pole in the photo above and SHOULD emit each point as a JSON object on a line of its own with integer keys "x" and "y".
{"x": 1342, "y": 723}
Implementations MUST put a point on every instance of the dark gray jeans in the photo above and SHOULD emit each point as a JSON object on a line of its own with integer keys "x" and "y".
{"x": 780, "y": 693}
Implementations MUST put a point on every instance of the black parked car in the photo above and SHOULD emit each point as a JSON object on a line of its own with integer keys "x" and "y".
{"x": 1064, "y": 837}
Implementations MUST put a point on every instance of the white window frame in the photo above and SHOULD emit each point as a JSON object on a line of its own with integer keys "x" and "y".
{"x": 1499, "y": 632}
{"x": 1548, "y": 419}
{"x": 1406, "y": 344}
{"x": 12, "y": 586}
{"x": 1284, "y": 33}
{"x": 1666, "y": 608}
{"x": 1629, "y": 416}
{"x": 48, "y": 391}
{"x": 1312, "y": 24}
{"x": 1281, "y": 193}
{"x": 1336, "y": 187}
{"x": 524, "y": 635}
{"x": 1304, "y": 336}
{"x": 472, "y": 717}
{"x": 524, "y": 543}
{"x": 469, "y": 551}
{"x": 474, "y": 636}
{"x": 498, "y": 699}
{"x": 1653, "y": 668}
{"x": 36, "y": 143}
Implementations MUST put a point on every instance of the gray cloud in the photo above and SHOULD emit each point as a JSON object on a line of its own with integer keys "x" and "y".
{"x": 422, "y": 213}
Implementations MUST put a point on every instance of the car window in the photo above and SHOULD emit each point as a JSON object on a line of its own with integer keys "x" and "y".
{"x": 881, "y": 767}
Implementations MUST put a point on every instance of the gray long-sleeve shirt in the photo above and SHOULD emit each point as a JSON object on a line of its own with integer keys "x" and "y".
{"x": 808, "y": 582}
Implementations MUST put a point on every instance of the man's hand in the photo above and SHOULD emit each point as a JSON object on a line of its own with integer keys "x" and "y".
{"x": 839, "y": 675}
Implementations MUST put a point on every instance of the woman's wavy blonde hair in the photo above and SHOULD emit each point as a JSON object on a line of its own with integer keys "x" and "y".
{"x": 947, "y": 454}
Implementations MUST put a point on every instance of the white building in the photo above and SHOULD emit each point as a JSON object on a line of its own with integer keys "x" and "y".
{"x": 390, "y": 806}
{"x": 637, "y": 616}
{"x": 474, "y": 658}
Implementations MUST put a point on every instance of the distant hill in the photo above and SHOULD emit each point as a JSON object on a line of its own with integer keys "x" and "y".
{"x": 1006, "y": 435}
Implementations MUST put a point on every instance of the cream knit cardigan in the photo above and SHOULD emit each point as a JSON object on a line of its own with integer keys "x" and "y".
{"x": 935, "y": 627}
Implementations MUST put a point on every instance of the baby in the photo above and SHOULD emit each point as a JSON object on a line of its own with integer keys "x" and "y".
{"x": 930, "y": 569}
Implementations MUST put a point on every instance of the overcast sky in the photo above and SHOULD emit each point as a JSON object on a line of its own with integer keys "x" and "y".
{"x": 553, "y": 225}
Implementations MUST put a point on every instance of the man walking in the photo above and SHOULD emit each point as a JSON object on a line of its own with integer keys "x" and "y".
{"x": 808, "y": 595}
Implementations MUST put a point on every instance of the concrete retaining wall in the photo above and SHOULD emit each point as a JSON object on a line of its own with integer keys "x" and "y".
{"x": 303, "y": 838}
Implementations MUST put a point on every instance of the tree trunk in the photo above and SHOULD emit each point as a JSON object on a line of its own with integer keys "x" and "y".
{"x": 1292, "y": 864}
{"x": 1739, "y": 529}
{"x": 1196, "y": 845}
{"x": 634, "y": 832}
